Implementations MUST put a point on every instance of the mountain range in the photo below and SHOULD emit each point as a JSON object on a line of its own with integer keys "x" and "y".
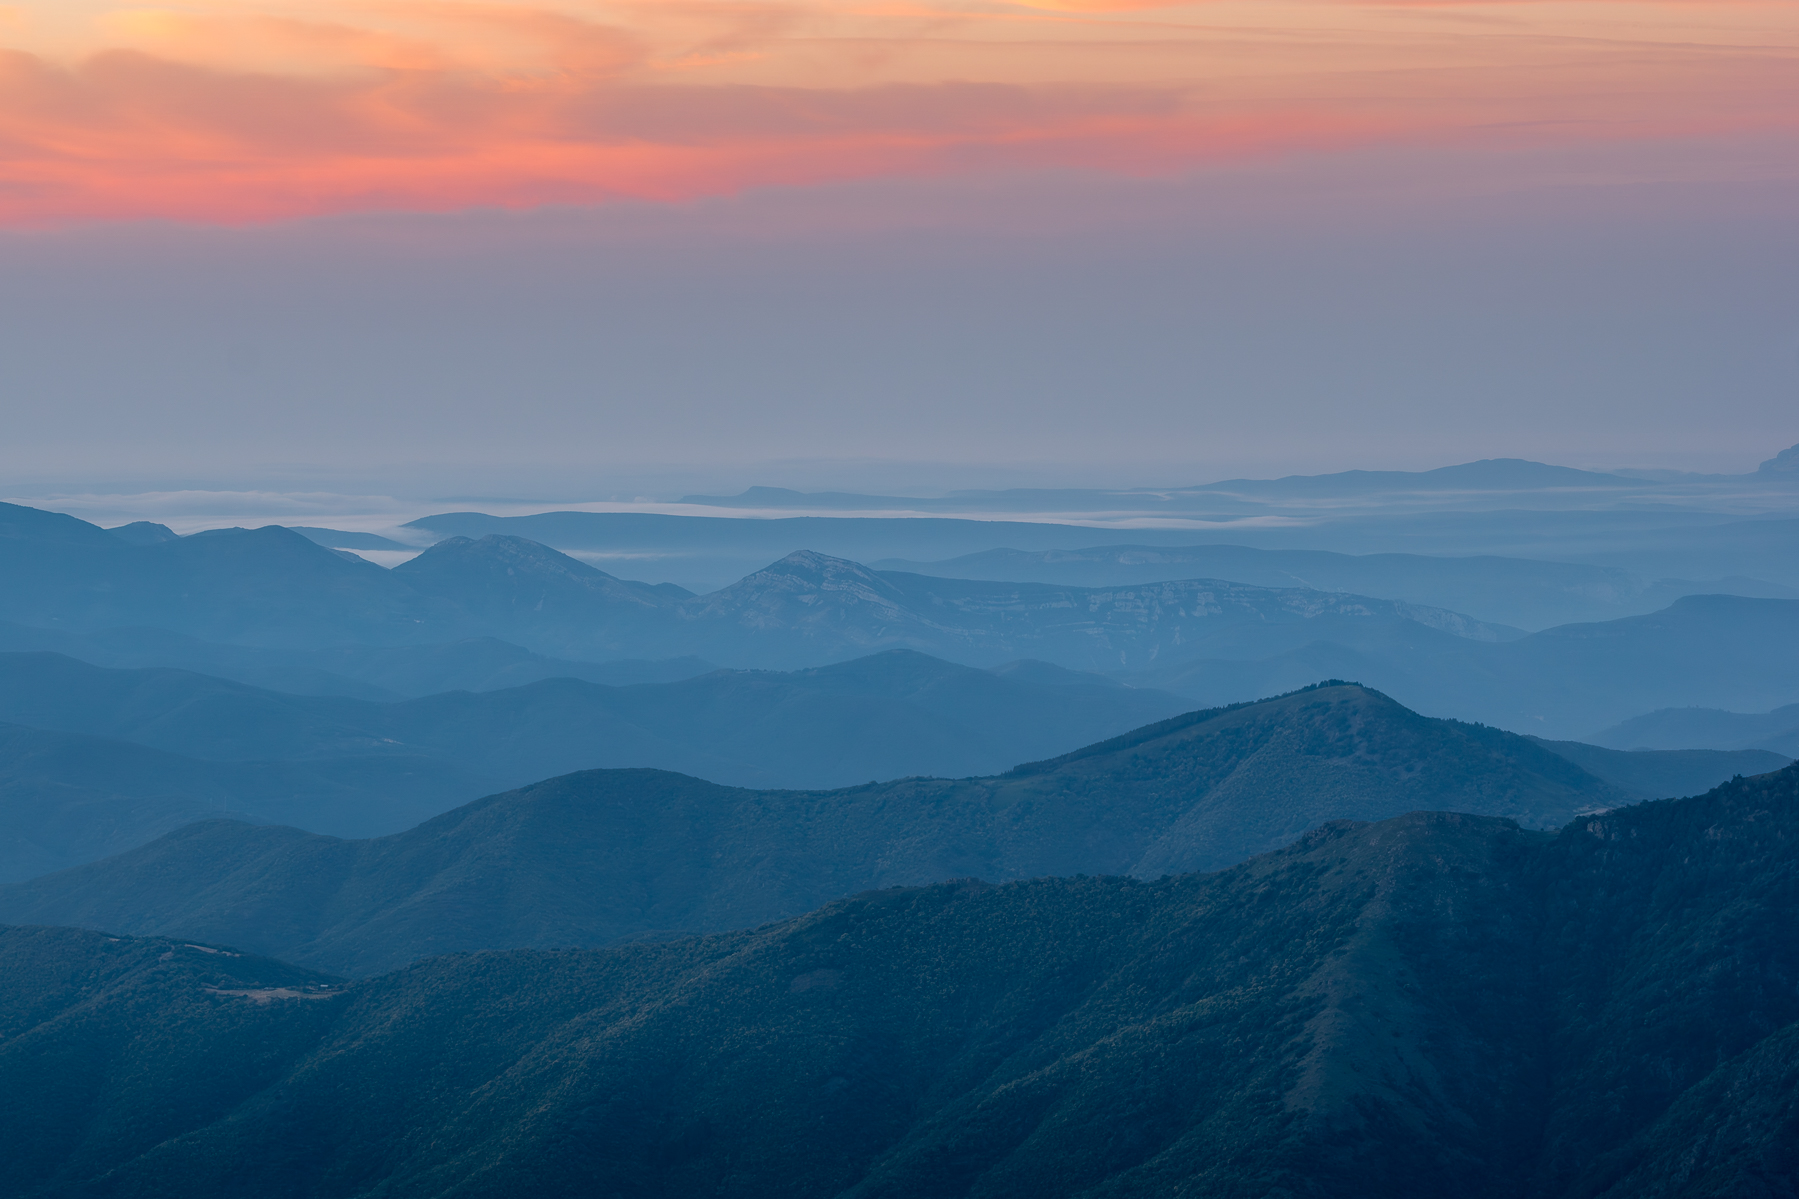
{"x": 267, "y": 586}
{"x": 596, "y": 856}
{"x": 1717, "y": 533}
{"x": 1707, "y": 728}
{"x": 1655, "y": 774}
{"x": 1490, "y": 475}
{"x": 274, "y": 587}
{"x": 361, "y": 768}
{"x": 1562, "y": 683}
{"x": 1483, "y": 484}
{"x": 1209, "y": 641}
{"x": 377, "y": 672}
{"x": 811, "y": 606}
{"x": 1434, "y": 1004}
{"x": 119, "y": 757}
{"x": 1529, "y": 594}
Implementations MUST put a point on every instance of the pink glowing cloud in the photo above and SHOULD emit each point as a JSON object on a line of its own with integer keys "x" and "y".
{"x": 254, "y": 112}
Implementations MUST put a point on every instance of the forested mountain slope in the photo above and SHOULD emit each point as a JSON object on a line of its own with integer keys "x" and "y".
{"x": 1434, "y": 1005}
{"x": 592, "y": 857}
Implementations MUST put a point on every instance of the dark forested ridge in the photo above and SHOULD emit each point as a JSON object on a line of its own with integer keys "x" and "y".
{"x": 592, "y": 857}
{"x": 1433, "y": 1005}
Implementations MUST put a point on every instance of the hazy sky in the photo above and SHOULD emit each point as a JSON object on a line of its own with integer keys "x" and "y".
{"x": 569, "y": 248}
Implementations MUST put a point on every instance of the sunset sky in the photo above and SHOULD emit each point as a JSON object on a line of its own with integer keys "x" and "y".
{"x": 760, "y": 232}
{"x": 250, "y": 111}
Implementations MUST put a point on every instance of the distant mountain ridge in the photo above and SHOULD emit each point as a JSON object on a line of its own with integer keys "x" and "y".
{"x": 1487, "y": 474}
{"x": 1512, "y": 591}
{"x": 1783, "y": 464}
{"x": 1561, "y": 683}
{"x": 592, "y": 857}
{"x": 357, "y": 768}
{"x": 373, "y": 672}
{"x": 1209, "y": 640}
{"x": 1436, "y": 1004}
{"x": 1707, "y": 728}
{"x": 267, "y": 586}
{"x": 1705, "y": 537}
{"x": 813, "y": 605}
{"x": 68, "y": 798}
{"x": 274, "y": 587}
{"x": 1666, "y": 773}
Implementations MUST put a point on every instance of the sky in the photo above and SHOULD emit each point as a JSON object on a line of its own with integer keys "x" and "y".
{"x": 421, "y": 246}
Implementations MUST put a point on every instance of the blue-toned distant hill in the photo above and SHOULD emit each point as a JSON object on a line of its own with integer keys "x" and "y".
{"x": 68, "y": 798}
{"x": 592, "y": 857}
{"x": 1433, "y": 1005}
{"x": 1496, "y": 476}
{"x": 341, "y": 539}
{"x": 378, "y": 672}
{"x": 1634, "y": 530}
{"x": 354, "y": 768}
{"x": 1210, "y": 640}
{"x": 359, "y": 768}
{"x": 1563, "y": 683}
{"x": 272, "y": 587}
{"x": 267, "y": 586}
{"x": 1513, "y": 591}
{"x": 143, "y": 532}
{"x": 1707, "y": 728}
{"x": 811, "y": 606}
{"x": 1665, "y": 773}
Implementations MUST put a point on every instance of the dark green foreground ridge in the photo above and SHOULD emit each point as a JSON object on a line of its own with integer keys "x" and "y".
{"x": 593, "y": 857}
{"x": 1432, "y": 1005}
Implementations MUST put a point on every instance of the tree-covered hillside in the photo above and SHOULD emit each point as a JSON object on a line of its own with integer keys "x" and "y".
{"x": 1435, "y": 1005}
{"x": 592, "y": 857}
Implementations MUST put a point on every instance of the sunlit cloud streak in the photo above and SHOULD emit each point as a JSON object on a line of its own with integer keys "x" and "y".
{"x": 247, "y": 112}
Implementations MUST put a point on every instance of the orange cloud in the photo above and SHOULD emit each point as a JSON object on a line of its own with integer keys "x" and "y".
{"x": 252, "y": 112}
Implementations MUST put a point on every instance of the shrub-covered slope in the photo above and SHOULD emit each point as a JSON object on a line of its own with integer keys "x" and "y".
{"x": 1434, "y": 1005}
{"x": 592, "y": 857}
